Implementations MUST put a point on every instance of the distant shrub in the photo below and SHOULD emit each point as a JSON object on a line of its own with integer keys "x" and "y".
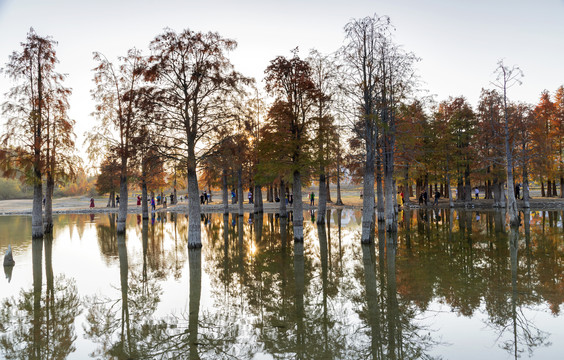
{"x": 11, "y": 189}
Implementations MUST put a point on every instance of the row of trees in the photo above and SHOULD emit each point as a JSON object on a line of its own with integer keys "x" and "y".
{"x": 184, "y": 112}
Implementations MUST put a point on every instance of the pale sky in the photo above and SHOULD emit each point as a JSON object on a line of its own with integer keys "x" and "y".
{"x": 459, "y": 42}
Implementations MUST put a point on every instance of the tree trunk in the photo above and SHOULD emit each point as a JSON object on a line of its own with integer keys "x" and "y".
{"x": 110, "y": 197}
{"x": 36, "y": 215}
{"x": 405, "y": 189}
{"x": 258, "y": 206}
{"x": 225, "y": 193}
{"x": 123, "y": 196}
{"x": 241, "y": 211}
{"x": 194, "y": 225}
{"x": 339, "y": 198}
{"x": 554, "y": 191}
{"x": 562, "y": 186}
{"x": 144, "y": 199}
{"x": 542, "y": 188}
{"x": 368, "y": 194}
{"x": 381, "y": 211}
{"x": 298, "y": 212}
{"x": 449, "y": 192}
{"x": 322, "y": 202}
{"x": 496, "y": 187}
{"x": 328, "y": 182}
{"x": 48, "y": 218}
{"x": 512, "y": 202}
{"x": 467, "y": 186}
{"x": 282, "y": 210}
{"x": 391, "y": 223}
{"x": 526, "y": 196}
{"x": 174, "y": 195}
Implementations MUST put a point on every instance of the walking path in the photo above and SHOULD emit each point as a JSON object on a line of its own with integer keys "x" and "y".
{"x": 80, "y": 204}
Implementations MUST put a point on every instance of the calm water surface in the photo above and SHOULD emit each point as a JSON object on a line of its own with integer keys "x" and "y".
{"x": 451, "y": 285}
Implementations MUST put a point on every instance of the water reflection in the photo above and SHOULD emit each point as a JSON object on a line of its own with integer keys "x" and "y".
{"x": 121, "y": 324}
{"x": 34, "y": 325}
{"x": 252, "y": 292}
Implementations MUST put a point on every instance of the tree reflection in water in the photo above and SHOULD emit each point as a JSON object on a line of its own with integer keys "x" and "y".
{"x": 329, "y": 296}
{"x": 37, "y": 326}
{"x": 123, "y": 331}
{"x": 517, "y": 333}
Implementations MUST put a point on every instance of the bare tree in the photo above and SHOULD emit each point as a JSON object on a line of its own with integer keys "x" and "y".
{"x": 118, "y": 95}
{"x": 324, "y": 75}
{"x": 506, "y": 78}
{"x": 360, "y": 53}
{"x": 382, "y": 76}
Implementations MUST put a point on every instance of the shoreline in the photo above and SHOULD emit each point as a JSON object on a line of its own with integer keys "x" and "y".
{"x": 536, "y": 204}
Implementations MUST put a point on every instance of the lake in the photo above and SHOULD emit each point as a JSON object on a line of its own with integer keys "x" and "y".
{"x": 451, "y": 284}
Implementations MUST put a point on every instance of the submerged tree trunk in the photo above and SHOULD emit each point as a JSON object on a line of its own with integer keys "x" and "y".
{"x": 37, "y": 213}
{"x": 526, "y": 197}
{"x": 194, "y": 225}
{"x": 282, "y": 210}
{"x": 368, "y": 194}
{"x": 391, "y": 223}
{"x": 110, "y": 197}
{"x": 339, "y": 198}
{"x": 225, "y": 192}
{"x": 241, "y": 211}
{"x": 379, "y": 190}
{"x": 497, "y": 192}
{"x": 512, "y": 202}
{"x": 467, "y": 185}
{"x": 258, "y": 206}
{"x": 405, "y": 184}
{"x": 122, "y": 212}
{"x": 144, "y": 199}
{"x": 322, "y": 202}
{"x": 48, "y": 218}
{"x": 298, "y": 211}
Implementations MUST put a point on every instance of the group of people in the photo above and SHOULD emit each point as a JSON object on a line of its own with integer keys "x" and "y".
{"x": 205, "y": 198}
{"x": 423, "y": 198}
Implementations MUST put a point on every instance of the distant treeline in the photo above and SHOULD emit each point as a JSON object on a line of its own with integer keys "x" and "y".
{"x": 15, "y": 189}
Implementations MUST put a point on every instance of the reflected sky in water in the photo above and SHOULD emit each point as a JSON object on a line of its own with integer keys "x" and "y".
{"x": 451, "y": 284}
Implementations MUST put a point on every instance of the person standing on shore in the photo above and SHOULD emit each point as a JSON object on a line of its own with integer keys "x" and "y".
{"x": 92, "y": 202}
{"x": 312, "y": 199}
{"x": 437, "y": 196}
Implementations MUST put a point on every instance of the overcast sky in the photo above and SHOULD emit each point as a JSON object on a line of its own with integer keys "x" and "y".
{"x": 459, "y": 42}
